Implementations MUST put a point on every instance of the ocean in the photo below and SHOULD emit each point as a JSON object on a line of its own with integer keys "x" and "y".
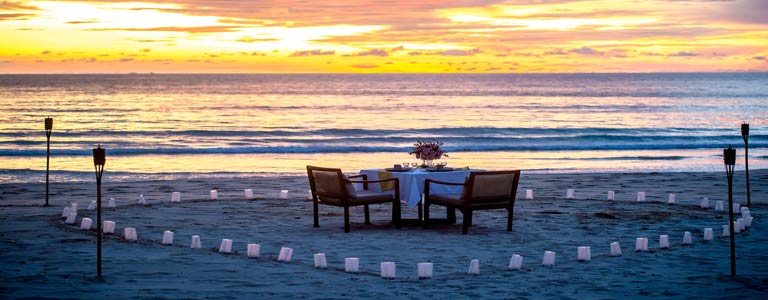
{"x": 165, "y": 126}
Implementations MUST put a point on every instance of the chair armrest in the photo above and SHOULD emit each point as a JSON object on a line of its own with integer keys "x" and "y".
{"x": 365, "y": 177}
{"x": 373, "y": 181}
{"x": 428, "y": 181}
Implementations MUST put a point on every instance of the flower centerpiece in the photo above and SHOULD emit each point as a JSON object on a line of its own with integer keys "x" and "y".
{"x": 428, "y": 151}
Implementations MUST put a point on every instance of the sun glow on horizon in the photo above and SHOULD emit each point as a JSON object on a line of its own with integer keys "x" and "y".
{"x": 286, "y": 36}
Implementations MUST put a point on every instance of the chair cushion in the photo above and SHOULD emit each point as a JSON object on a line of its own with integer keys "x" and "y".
{"x": 446, "y": 199}
{"x": 361, "y": 198}
{"x": 328, "y": 183}
{"x": 349, "y": 188}
{"x": 329, "y": 200}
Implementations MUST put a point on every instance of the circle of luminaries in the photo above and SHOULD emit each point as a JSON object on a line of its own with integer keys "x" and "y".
{"x": 387, "y": 268}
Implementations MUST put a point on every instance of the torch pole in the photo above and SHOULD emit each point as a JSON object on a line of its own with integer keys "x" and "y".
{"x": 48, "y": 129}
{"x": 99, "y": 159}
{"x": 746, "y": 169}
{"x": 729, "y": 157}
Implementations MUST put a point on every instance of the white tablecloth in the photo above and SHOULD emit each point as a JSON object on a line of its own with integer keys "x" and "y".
{"x": 412, "y": 183}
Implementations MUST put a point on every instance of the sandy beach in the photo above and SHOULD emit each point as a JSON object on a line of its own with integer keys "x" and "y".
{"x": 45, "y": 258}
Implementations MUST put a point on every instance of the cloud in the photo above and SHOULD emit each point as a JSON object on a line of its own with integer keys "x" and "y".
{"x": 16, "y": 5}
{"x": 248, "y": 39}
{"x": 595, "y": 13}
{"x": 585, "y": 51}
{"x": 126, "y": 59}
{"x": 86, "y": 21}
{"x": 153, "y": 40}
{"x": 312, "y": 53}
{"x": 526, "y": 54}
{"x": 4, "y": 17}
{"x": 741, "y": 11}
{"x": 522, "y": 30}
{"x": 199, "y": 29}
{"x": 581, "y": 51}
{"x": 372, "y": 52}
{"x": 304, "y": 13}
{"x": 365, "y": 66}
{"x": 683, "y": 54}
{"x": 456, "y": 52}
{"x": 46, "y": 52}
{"x": 556, "y": 52}
{"x": 450, "y": 52}
{"x": 145, "y": 50}
{"x": 84, "y": 59}
{"x": 763, "y": 58}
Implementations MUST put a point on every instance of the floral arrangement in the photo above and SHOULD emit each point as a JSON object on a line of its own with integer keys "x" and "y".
{"x": 428, "y": 150}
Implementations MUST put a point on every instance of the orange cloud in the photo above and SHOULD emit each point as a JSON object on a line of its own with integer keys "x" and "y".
{"x": 202, "y": 29}
{"x": 87, "y": 21}
{"x": 365, "y": 66}
{"x": 248, "y": 39}
{"x": 312, "y": 53}
{"x": 16, "y": 16}
{"x": 456, "y": 52}
{"x": 372, "y": 52}
{"x": 16, "y": 5}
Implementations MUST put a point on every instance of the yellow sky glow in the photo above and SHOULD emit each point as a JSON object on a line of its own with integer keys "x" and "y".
{"x": 292, "y": 36}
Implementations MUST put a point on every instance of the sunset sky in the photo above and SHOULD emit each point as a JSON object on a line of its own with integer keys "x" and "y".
{"x": 291, "y": 36}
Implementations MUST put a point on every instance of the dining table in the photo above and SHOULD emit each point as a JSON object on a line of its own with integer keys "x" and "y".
{"x": 412, "y": 181}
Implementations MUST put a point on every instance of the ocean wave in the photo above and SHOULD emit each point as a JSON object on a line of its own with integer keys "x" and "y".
{"x": 366, "y": 149}
{"x": 343, "y": 140}
{"x": 671, "y": 157}
{"x": 437, "y": 132}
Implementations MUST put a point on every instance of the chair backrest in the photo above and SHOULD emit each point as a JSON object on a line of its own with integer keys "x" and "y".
{"x": 329, "y": 183}
{"x": 491, "y": 187}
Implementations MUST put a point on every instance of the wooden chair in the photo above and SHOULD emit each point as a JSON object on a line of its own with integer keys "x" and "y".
{"x": 330, "y": 187}
{"x": 482, "y": 190}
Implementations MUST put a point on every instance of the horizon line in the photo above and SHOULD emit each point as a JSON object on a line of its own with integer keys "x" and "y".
{"x": 391, "y": 73}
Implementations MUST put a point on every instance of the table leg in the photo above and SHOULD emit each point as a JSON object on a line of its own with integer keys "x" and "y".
{"x": 421, "y": 208}
{"x": 419, "y": 221}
